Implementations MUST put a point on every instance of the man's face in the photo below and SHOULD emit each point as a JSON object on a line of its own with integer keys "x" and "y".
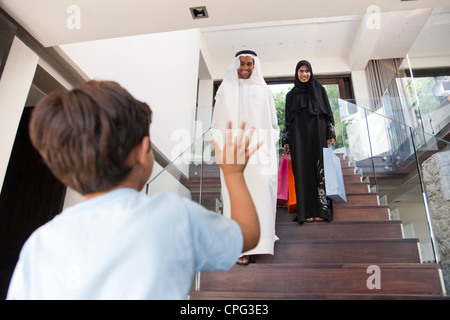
{"x": 246, "y": 67}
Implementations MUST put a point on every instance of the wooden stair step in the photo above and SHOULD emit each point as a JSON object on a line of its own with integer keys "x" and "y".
{"x": 348, "y": 170}
{"x": 340, "y": 230}
{"x": 282, "y": 217}
{"x": 355, "y": 199}
{"x": 344, "y": 251}
{"x": 361, "y": 213}
{"x": 357, "y": 187}
{"x": 411, "y": 278}
{"x": 329, "y": 260}
{"x": 344, "y": 160}
{"x": 352, "y": 178}
{"x": 270, "y": 295}
{"x": 341, "y": 213}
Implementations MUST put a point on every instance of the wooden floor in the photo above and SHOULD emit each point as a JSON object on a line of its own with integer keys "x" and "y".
{"x": 360, "y": 255}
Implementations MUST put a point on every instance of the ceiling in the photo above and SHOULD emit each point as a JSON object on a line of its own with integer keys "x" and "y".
{"x": 341, "y": 33}
{"x": 280, "y": 30}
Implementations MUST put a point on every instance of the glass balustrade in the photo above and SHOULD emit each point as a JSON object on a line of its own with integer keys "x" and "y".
{"x": 433, "y": 160}
{"x": 194, "y": 174}
{"x": 392, "y": 157}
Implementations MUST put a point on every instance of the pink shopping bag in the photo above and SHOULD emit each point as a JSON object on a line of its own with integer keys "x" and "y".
{"x": 283, "y": 182}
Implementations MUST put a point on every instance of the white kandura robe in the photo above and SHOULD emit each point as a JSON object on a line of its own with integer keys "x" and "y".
{"x": 245, "y": 100}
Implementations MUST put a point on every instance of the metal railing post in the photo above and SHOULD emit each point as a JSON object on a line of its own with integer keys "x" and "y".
{"x": 425, "y": 201}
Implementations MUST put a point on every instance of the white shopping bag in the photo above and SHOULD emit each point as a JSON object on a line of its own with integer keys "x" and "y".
{"x": 334, "y": 180}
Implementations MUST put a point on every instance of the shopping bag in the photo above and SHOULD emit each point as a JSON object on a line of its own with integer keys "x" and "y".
{"x": 334, "y": 180}
{"x": 292, "y": 198}
{"x": 283, "y": 182}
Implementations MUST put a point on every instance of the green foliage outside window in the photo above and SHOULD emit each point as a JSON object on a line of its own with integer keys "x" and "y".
{"x": 333, "y": 96}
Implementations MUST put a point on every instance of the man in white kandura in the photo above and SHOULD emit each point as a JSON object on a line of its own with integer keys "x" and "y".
{"x": 245, "y": 96}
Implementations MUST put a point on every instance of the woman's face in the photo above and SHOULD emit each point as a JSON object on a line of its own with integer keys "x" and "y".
{"x": 304, "y": 74}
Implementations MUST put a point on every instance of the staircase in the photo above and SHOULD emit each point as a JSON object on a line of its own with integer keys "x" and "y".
{"x": 360, "y": 255}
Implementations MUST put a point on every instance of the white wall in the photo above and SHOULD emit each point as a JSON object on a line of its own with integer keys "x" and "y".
{"x": 412, "y": 215}
{"x": 286, "y": 68}
{"x": 15, "y": 84}
{"x": 160, "y": 69}
{"x": 360, "y": 84}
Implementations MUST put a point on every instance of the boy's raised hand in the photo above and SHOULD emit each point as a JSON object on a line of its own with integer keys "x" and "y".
{"x": 235, "y": 154}
{"x": 232, "y": 160}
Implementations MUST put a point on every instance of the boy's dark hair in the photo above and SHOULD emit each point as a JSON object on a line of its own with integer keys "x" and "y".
{"x": 85, "y": 135}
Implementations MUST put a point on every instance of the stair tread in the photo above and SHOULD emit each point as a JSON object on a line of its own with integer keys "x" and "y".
{"x": 368, "y": 206}
{"x": 384, "y": 229}
{"x": 344, "y": 251}
{"x": 330, "y": 260}
{"x": 275, "y": 295}
{"x": 343, "y": 223}
{"x": 362, "y": 193}
{"x": 325, "y": 277}
{"x": 347, "y": 241}
{"x": 333, "y": 265}
{"x": 358, "y": 206}
{"x": 355, "y": 213}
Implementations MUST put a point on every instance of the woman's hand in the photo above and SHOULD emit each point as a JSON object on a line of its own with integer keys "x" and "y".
{"x": 331, "y": 141}
{"x": 286, "y": 149}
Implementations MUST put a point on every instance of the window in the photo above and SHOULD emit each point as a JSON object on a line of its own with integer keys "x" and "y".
{"x": 336, "y": 88}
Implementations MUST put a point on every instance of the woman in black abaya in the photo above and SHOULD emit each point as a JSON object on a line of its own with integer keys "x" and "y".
{"x": 309, "y": 127}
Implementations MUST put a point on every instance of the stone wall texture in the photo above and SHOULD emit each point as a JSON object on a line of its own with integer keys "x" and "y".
{"x": 436, "y": 177}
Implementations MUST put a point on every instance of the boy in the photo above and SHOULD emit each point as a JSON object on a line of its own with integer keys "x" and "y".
{"x": 119, "y": 243}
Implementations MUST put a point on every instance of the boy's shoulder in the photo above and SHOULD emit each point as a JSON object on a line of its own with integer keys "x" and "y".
{"x": 115, "y": 202}
{"x": 170, "y": 203}
{"x": 169, "y": 199}
{"x": 166, "y": 195}
{"x": 115, "y": 208}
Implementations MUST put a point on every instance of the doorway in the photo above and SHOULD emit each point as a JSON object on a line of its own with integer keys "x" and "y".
{"x": 30, "y": 195}
{"x": 338, "y": 87}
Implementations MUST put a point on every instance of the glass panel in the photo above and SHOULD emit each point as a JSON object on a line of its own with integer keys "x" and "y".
{"x": 398, "y": 161}
{"x": 398, "y": 179}
{"x": 194, "y": 174}
{"x": 430, "y": 71}
{"x": 356, "y": 140}
{"x": 433, "y": 96}
{"x": 333, "y": 96}
{"x": 279, "y": 92}
{"x": 388, "y": 153}
{"x": 433, "y": 156}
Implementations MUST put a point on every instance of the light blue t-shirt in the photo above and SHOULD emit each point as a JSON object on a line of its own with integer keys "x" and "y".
{"x": 125, "y": 245}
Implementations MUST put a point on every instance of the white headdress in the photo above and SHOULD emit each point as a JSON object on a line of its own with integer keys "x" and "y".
{"x": 256, "y": 77}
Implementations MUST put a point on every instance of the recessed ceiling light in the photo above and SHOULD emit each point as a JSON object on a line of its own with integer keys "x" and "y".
{"x": 199, "y": 12}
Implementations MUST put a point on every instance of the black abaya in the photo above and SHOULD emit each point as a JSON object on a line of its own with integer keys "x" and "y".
{"x": 306, "y": 153}
{"x": 308, "y": 125}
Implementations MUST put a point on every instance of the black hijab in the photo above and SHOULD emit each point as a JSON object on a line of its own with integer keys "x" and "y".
{"x": 311, "y": 95}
